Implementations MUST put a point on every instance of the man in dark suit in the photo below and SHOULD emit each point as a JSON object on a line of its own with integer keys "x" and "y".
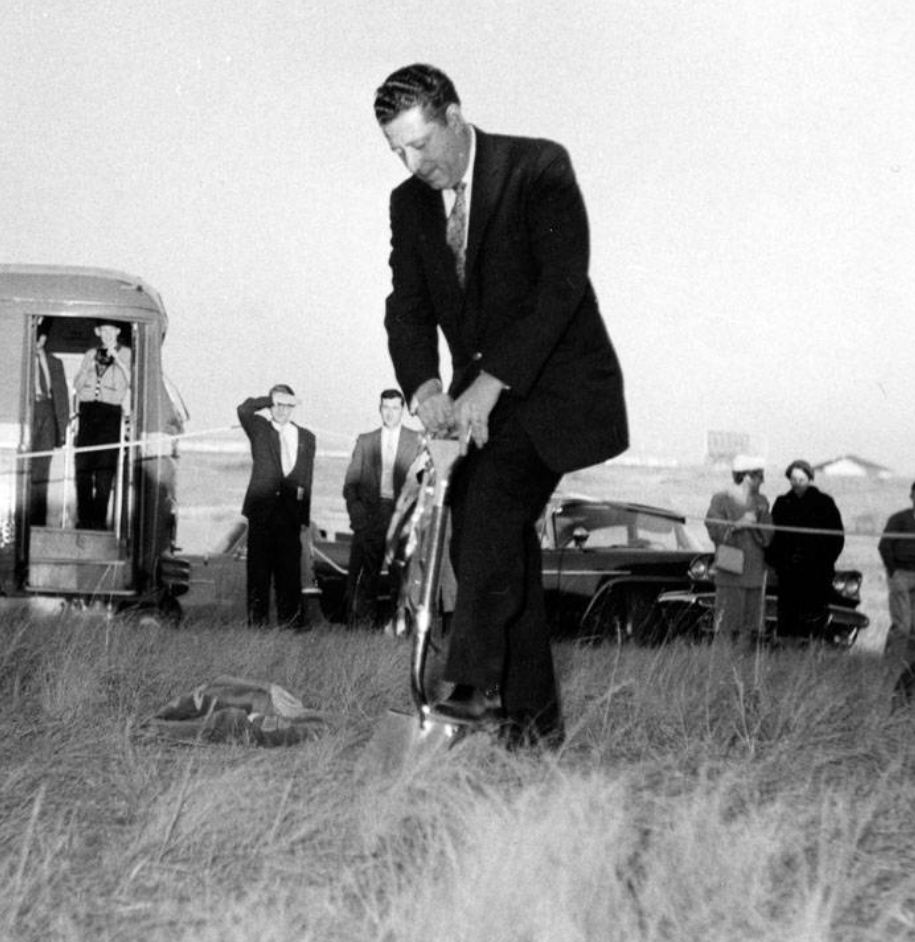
{"x": 489, "y": 244}
{"x": 277, "y": 505}
{"x": 50, "y": 415}
{"x": 373, "y": 482}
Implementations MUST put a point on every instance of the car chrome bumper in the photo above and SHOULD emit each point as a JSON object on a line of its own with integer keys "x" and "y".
{"x": 840, "y": 616}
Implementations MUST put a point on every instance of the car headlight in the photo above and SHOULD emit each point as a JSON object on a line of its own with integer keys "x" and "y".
{"x": 847, "y": 584}
{"x": 701, "y": 569}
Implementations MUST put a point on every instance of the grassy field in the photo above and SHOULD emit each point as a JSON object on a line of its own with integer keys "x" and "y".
{"x": 699, "y": 795}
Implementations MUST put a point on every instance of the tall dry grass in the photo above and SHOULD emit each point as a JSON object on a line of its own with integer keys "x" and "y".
{"x": 699, "y": 796}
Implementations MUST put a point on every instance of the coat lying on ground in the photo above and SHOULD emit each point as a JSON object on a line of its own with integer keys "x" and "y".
{"x": 232, "y": 709}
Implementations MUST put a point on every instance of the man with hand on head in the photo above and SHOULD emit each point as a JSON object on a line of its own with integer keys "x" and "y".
{"x": 374, "y": 479}
{"x": 277, "y": 505}
{"x": 489, "y": 244}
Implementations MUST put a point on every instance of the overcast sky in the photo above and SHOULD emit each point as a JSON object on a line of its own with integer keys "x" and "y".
{"x": 749, "y": 171}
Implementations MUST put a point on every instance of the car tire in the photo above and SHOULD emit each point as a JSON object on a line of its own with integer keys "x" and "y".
{"x": 627, "y": 615}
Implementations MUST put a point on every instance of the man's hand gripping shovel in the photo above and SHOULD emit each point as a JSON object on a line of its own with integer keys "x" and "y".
{"x": 401, "y": 736}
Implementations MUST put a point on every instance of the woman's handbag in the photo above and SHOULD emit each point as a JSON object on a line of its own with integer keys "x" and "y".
{"x": 729, "y": 559}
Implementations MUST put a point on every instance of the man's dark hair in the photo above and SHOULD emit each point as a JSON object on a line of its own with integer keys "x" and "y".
{"x": 392, "y": 394}
{"x": 281, "y": 388}
{"x": 413, "y": 85}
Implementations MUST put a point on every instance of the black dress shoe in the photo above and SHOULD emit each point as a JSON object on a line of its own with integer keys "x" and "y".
{"x": 471, "y": 705}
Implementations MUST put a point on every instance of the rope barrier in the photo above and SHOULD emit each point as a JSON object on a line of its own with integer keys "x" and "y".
{"x": 222, "y": 430}
{"x": 160, "y": 437}
{"x": 808, "y": 531}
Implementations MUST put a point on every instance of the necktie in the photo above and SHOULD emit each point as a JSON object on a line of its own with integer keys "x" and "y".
{"x": 454, "y": 234}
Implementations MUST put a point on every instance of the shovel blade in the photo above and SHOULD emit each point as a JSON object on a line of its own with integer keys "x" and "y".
{"x": 401, "y": 738}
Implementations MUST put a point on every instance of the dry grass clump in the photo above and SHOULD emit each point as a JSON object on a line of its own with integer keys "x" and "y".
{"x": 699, "y": 795}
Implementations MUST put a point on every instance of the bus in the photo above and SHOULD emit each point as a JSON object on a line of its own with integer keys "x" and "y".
{"x": 51, "y": 322}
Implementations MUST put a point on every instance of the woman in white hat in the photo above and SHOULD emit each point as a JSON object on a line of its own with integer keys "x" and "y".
{"x": 736, "y": 522}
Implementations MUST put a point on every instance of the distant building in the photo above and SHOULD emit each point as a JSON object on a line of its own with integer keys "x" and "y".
{"x": 721, "y": 447}
{"x": 852, "y": 466}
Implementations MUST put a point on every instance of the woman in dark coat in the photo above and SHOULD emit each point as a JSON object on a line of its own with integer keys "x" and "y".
{"x": 804, "y": 562}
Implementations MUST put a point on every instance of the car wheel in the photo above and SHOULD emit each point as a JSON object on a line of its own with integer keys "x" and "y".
{"x": 646, "y": 623}
{"x": 624, "y": 615}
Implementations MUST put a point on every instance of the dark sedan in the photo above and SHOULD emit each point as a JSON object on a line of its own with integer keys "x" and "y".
{"x": 605, "y": 563}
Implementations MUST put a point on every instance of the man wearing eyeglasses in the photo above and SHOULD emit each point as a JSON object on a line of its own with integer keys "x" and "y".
{"x": 277, "y": 505}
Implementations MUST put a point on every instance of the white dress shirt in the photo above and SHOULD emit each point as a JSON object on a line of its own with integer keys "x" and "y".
{"x": 390, "y": 438}
{"x": 289, "y": 444}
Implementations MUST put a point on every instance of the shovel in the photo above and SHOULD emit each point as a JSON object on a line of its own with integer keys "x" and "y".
{"x": 400, "y": 736}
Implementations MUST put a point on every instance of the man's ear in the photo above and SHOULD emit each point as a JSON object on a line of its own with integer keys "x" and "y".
{"x": 453, "y": 116}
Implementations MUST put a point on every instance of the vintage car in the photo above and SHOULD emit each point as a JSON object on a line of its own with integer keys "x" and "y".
{"x": 623, "y": 554}
{"x": 690, "y": 612}
{"x": 605, "y": 562}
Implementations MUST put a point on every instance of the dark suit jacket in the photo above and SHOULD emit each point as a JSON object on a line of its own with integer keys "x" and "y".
{"x": 362, "y": 486}
{"x": 60, "y": 400}
{"x": 268, "y": 484}
{"x": 528, "y": 314}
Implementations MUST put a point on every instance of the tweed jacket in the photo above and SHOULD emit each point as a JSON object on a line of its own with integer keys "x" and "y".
{"x": 362, "y": 485}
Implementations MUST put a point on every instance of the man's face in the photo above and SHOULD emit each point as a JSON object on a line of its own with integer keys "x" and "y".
{"x": 435, "y": 153}
{"x": 108, "y": 334}
{"x": 281, "y": 412}
{"x": 391, "y": 412}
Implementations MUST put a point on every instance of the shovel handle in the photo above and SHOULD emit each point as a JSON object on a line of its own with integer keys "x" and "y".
{"x": 444, "y": 453}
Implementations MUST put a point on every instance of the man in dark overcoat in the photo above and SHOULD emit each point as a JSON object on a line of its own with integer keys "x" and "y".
{"x": 50, "y": 415}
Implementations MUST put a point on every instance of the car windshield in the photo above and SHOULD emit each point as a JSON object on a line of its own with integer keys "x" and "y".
{"x": 604, "y": 524}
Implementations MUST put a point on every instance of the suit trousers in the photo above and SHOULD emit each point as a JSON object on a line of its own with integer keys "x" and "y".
{"x": 499, "y": 633}
{"x": 901, "y": 635}
{"x": 99, "y": 424}
{"x": 44, "y": 438}
{"x": 275, "y": 554}
{"x": 366, "y": 559}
